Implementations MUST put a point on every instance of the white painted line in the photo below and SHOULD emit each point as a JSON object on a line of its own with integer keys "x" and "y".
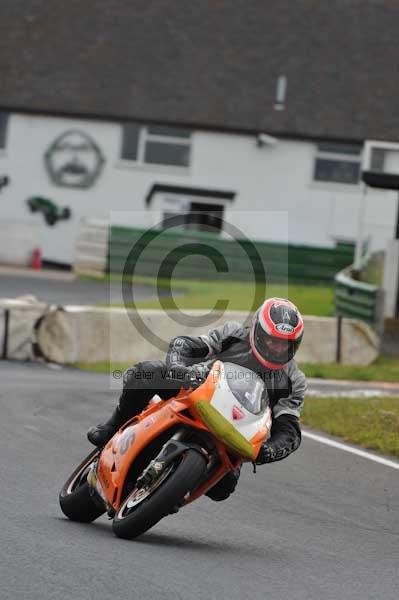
{"x": 346, "y": 383}
{"x": 346, "y": 448}
{"x": 350, "y": 393}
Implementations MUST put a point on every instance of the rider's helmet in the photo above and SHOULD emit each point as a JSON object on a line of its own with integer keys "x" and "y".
{"x": 276, "y": 333}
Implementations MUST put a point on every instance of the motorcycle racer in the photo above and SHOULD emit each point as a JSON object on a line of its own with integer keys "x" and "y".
{"x": 267, "y": 347}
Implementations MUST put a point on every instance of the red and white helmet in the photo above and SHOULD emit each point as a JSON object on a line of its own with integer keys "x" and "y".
{"x": 276, "y": 333}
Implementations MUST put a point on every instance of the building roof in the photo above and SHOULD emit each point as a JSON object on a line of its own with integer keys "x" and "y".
{"x": 208, "y": 63}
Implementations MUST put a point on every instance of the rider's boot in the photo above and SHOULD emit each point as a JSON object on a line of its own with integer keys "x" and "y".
{"x": 225, "y": 487}
{"x": 101, "y": 434}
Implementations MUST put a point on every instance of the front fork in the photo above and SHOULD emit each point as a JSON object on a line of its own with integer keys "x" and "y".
{"x": 96, "y": 490}
{"x": 173, "y": 448}
{"x": 218, "y": 461}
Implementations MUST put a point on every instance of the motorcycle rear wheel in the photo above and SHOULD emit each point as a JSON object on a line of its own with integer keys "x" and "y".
{"x": 179, "y": 479}
{"x": 76, "y": 497}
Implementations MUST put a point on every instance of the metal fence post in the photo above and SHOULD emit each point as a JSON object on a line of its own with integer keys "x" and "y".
{"x": 338, "y": 353}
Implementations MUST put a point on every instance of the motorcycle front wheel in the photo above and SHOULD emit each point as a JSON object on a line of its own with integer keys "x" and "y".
{"x": 143, "y": 508}
{"x": 76, "y": 497}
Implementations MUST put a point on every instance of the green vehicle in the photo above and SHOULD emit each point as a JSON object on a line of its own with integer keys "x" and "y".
{"x": 50, "y": 211}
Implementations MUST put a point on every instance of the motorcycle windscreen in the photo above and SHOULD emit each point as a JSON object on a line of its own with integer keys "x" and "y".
{"x": 247, "y": 387}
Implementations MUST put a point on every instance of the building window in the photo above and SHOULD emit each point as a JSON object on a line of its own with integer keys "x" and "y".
{"x": 3, "y": 129}
{"x": 156, "y": 145}
{"x": 338, "y": 163}
{"x": 130, "y": 141}
{"x": 378, "y": 156}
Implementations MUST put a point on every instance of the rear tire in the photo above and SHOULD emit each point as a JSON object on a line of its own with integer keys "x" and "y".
{"x": 76, "y": 497}
{"x": 130, "y": 523}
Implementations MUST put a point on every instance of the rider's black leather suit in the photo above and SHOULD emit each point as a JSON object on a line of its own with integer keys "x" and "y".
{"x": 230, "y": 343}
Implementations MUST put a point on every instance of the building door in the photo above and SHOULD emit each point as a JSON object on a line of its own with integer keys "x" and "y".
{"x": 196, "y": 216}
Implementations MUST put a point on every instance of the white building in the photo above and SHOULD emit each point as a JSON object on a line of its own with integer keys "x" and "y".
{"x": 175, "y": 120}
{"x": 314, "y": 185}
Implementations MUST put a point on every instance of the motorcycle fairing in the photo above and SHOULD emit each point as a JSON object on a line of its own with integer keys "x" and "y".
{"x": 120, "y": 452}
{"x": 126, "y": 445}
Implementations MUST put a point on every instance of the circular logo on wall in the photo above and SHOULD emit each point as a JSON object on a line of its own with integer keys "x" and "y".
{"x": 74, "y": 160}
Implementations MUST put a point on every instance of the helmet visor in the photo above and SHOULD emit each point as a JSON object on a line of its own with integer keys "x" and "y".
{"x": 272, "y": 349}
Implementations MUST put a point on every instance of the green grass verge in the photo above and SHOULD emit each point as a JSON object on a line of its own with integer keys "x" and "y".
{"x": 101, "y": 367}
{"x": 383, "y": 369}
{"x": 372, "y": 423}
{"x": 310, "y": 299}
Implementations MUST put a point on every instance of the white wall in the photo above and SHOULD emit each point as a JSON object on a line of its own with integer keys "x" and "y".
{"x": 265, "y": 179}
{"x": 18, "y": 242}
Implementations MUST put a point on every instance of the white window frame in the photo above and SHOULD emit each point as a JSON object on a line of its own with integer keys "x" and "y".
{"x": 146, "y": 136}
{"x": 337, "y": 156}
{"x": 370, "y": 145}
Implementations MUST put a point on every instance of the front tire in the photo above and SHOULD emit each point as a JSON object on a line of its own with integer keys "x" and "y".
{"x": 76, "y": 497}
{"x": 180, "y": 479}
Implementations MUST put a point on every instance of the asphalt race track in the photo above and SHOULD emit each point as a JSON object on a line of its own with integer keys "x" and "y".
{"x": 321, "y": 524}
{"x": 66, "y": 290}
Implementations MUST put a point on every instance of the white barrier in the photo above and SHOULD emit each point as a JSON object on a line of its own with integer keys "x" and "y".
{"x": 65, "y": 335}
{"x": 91, "y": 248}
{"x": 91, "y": 335}
{"x": 18, "y": 320}
{"x": 17, "y": 242}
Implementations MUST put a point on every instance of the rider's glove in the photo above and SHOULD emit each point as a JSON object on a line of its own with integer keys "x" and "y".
{"x": 285, "y": 438}
{"x": 188, "y": 377}
{"x": 266, "y": 454}
{"x": 269, "y": 453}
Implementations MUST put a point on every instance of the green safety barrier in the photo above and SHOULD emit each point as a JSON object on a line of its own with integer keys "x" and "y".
{"x": 148, "y": 252}
{"x": 356, "y": 299}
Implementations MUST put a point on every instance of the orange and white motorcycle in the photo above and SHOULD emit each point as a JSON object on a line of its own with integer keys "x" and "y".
{"x": 172, "y": 453}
